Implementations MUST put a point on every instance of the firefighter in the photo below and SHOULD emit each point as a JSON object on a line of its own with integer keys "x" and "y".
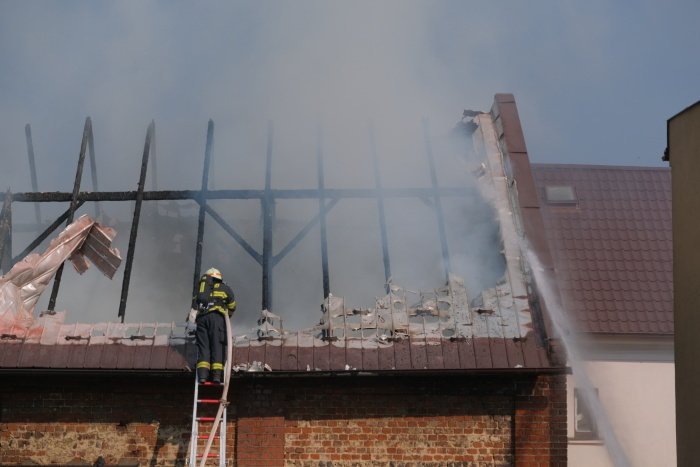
{"x": 211, "y": 302}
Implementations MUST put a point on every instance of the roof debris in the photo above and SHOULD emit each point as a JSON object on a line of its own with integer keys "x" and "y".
{"x": 21, "y": 287}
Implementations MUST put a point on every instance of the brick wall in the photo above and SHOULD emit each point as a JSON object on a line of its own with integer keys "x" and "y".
{"x": 322, "y": 421}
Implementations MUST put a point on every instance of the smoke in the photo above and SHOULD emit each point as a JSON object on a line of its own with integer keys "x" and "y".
{"x": 316, "y": 70}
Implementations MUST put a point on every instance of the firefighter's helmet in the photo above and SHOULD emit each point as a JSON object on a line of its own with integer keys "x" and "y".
{"x": 213, "y": 272}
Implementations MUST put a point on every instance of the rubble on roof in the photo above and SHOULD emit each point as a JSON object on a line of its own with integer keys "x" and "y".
{"x": 83, "y": 240}
{"x": 438, "y": 314}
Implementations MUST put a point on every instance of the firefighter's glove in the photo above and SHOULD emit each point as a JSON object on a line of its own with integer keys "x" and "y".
{"x": 191, "y": 322}
{"x": 192, "y": 316}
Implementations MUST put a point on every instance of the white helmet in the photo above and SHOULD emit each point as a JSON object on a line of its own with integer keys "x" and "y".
{"x": 213, "y": 272}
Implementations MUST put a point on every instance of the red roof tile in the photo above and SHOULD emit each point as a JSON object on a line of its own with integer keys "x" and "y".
{"x": 612, "y": 250}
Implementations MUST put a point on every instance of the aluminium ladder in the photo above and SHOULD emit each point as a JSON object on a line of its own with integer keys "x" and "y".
{"x": 203, "y": 421}
{"x": 199, "y": 456}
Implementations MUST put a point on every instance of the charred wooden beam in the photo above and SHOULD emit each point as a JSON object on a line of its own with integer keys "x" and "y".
{"x": 438, "y": 202}
{"x": 93, "y": 170}
{"x": 154, "y": 162}
{"x": 236, "y": 236}
{"x": 6, "y": 235}
{"x": 322, "y": 214}
{"x": 268, "y": 213}
{"x": 302, "y": 233}
{"x": 32, "y": 169}
{"x": 380, "y": 208}
{"x": 135, "y": 222}
{"x": 274, "y": 194}
{"x": 87, "y": 129}
{"x": 203, "y": 204}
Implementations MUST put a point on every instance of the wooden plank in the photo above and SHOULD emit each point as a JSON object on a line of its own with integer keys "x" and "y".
{"x": 433, "y": 350}
{"x": 450, "y": 354}
{"x": 402, "y": 354}
{"x": 482, "y": 352}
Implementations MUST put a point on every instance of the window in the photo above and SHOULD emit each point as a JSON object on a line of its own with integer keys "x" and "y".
{"x": 560, "y": 194}
{"x": 584, "y": 423}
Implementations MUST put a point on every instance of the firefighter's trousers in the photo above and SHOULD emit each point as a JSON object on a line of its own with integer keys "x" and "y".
{"x": 211, "y": 345}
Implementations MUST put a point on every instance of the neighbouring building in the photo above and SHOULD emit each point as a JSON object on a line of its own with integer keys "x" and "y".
{"x": 439, "y": 379}
{"x": 609, "y": 231}
{"x": 683, "y": 154}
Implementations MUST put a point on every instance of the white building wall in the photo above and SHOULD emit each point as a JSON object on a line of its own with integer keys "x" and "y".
{"x": 637, "y": 390}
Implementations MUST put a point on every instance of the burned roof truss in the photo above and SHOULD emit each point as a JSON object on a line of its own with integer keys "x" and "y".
{"x": 327, "y": 198}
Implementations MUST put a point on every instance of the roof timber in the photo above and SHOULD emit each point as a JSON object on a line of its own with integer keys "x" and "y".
{"x": 327, "y": 199}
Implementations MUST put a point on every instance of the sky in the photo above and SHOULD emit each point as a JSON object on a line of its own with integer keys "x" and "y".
{"x": 594, "y": 83}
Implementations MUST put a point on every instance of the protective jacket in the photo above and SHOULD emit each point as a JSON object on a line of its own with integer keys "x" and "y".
{"x": 213, "y": 295}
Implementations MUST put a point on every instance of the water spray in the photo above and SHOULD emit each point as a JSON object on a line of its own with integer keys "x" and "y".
{"x": 564, "y": 331}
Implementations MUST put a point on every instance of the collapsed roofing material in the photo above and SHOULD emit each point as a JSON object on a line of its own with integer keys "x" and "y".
{"x": 400, "y": 314}
{"x": 83, "y": 240}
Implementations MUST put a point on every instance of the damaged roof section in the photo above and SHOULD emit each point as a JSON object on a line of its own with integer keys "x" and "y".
{"x": 498, "y": 328}
{"x": 443, "y": 328}
{"x": 404, "y": 331}
{"x": 83, "y": 240}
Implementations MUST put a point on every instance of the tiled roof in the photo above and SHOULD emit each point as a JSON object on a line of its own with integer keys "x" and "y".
{"x": 165, "y": 347}
{"x": 612, "y": 246}
{"x": 179, "y": 355}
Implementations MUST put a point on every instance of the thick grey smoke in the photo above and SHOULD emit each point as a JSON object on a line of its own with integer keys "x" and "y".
{"x": 335, "y": 67}
{"x": 301, "y": 65}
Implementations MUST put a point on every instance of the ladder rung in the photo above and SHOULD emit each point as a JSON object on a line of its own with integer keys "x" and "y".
{"x": 209, "y": 455}
{"x": 206, "y": 419}
{"x": 209, "y": 401}
{"x": 207, "y": 437}
{"x": 210, "y": 383}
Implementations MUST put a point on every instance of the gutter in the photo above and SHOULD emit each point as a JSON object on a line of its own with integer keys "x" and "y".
{"x": 295, "y": 374}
